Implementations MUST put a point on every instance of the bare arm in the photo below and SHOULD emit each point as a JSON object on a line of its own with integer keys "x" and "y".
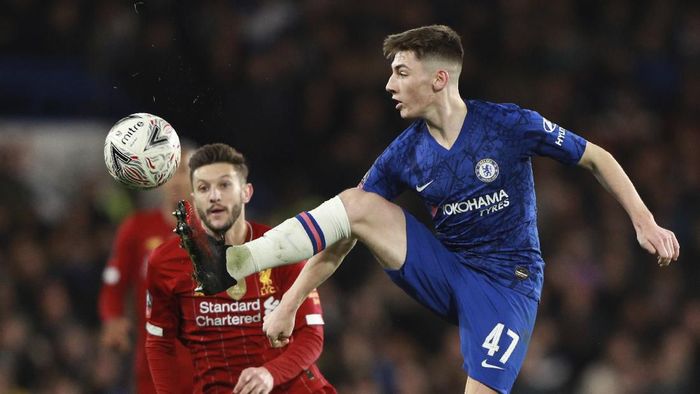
{"x": 653, "y": 238}
{"x": 279, "y": 323}
{"x": 319, "y": 268}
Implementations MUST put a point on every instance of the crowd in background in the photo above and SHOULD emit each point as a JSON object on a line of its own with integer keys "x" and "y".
{"x": 298, "y": 86}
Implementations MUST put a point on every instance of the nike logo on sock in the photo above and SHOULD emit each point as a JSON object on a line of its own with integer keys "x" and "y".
{"x": 421, "y": 188}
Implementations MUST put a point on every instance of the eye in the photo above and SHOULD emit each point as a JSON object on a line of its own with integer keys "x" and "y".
{"x": 401, "y": 72}
{"x": 202, "y": 188}
{"x": 225, "y": 185}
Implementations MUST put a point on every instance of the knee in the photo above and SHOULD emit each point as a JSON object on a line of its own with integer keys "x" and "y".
{"x": 358, "y": 203}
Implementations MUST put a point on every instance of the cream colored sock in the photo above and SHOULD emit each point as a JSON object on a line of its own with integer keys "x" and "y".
{"x": 295, "y": 239}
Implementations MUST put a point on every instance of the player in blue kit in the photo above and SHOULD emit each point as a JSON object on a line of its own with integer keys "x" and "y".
{"x": 470, "y": 161}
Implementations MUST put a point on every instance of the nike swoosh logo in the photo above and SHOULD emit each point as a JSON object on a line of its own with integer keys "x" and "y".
{"x": 487, "y": 365}
{"x": 421, "y": 188}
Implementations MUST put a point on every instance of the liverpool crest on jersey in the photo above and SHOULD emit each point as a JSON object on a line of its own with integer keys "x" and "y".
{"x": 266, "y": 286}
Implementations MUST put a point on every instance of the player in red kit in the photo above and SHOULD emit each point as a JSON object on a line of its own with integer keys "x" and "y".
{"x": 224, "y": 331}
{"x": 137, "y": 236}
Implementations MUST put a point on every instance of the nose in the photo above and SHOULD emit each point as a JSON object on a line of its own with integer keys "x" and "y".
{"x": 214, "y": 194}
{"x": 390, "y": 85}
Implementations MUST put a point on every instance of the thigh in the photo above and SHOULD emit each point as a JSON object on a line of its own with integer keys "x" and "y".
{"x": 424, "y": 272}
{"x": 475, "y": 387}
{"x": 495, "y": 325}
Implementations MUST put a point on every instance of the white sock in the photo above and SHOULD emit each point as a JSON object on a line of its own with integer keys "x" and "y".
{"x": 295, "y": 239}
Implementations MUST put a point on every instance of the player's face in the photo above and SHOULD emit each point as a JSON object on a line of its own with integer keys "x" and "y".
{"x": 219, "y": 195}
{"x": 411, "y": 85}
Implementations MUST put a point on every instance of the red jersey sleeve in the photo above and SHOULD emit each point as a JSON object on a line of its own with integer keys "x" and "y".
{"x": 162, "y": 324}
{"x": 120, "y": 270}
{"x": 302, "y": 351}
{"x": 307, "y": 338}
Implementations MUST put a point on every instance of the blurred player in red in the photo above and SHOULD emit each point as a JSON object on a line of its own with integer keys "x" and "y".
{"x": 124, "y": 278}
{"x": 224, "y": 331}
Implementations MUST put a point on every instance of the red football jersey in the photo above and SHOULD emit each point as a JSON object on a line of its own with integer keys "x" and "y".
{"x": 136, "y": 238}
{"x": 224, "y": 332}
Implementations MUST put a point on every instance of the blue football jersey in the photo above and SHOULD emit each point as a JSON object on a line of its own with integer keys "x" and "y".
{"x": 480, "y": 192}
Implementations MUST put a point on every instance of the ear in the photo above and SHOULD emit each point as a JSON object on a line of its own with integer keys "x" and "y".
{"x": 247, "y": 192}
{"x": 442, "y": 78}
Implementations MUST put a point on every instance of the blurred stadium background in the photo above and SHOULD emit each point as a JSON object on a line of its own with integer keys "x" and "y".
{"x": 298, "y": 86}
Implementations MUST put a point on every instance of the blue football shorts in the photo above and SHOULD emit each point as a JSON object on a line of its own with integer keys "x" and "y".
{"x": 495, "y": 322}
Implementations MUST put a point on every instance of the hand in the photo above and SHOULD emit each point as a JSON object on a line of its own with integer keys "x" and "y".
{"x": 207, "y": 253}
{"x": 658, "y": 241}
{"x": 115, "y": 334}
{"x": 279, "y": 324}
{"x": 254, "y": 380}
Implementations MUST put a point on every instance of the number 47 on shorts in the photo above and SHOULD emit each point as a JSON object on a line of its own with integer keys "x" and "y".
{"x": 491, "y": 343}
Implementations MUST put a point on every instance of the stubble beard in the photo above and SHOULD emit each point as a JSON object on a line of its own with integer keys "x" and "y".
{"x": 220, "y": 231}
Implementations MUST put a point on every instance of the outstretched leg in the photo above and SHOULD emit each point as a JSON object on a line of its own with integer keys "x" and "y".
{"x": 367, "y": 216}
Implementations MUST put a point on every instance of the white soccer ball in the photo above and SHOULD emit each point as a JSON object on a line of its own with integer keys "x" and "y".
{"x": 142, "y": 151}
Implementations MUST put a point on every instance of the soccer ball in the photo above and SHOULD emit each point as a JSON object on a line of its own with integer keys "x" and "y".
{"x": 142, "y": 151}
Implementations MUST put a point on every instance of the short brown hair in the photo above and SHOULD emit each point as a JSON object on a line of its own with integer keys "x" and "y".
{"x": 218, "y": 153}
{"x": 435, "y": 41}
